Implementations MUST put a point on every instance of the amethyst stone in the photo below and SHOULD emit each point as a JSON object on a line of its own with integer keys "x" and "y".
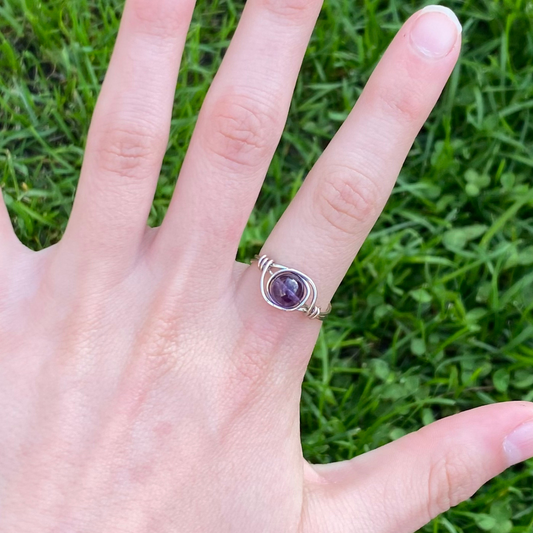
{"x": 287, "y": 290}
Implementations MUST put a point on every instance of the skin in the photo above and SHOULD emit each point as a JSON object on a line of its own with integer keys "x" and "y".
{"x": 145, "y": 385}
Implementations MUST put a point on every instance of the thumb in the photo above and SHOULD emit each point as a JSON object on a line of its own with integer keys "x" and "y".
{"x": 401, "y": 486}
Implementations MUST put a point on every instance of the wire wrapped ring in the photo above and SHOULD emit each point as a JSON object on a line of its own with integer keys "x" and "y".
{"x": 289, "y": 289}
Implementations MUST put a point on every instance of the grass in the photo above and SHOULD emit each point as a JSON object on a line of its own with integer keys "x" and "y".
{"x": 435, "y": 315}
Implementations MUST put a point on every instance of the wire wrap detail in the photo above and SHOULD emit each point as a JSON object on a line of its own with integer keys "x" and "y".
{"x": 308, "y": 301}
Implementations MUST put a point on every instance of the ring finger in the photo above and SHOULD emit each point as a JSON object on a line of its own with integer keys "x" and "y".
{"x": 339, "y": 202}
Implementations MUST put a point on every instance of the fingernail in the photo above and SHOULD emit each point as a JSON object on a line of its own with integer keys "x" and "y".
{"x": 435, "y": 31}
{"x": 518, "y": 445}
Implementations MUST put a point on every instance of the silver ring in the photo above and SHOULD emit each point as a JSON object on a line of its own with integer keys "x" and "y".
{"x": 288, "y": 289}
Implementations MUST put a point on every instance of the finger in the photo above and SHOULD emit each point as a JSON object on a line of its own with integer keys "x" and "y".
{"x": 340, "y": 200}
{"x": 238, "y": 129}
{"x": 403, "y": 485}
{"x": 129, "y": 130}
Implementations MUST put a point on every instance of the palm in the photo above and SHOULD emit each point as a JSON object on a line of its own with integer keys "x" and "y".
{"x": 145, "y": 385}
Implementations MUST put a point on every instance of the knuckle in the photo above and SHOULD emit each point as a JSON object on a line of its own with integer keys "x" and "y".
{"x": 255, "y": 346}
{"x": 450, "y": 482}
{"x": 161, "y": 19}
{"x": 347, "y": 198}
{"x": 128, "y": 151}
{"x": 159, "y": 356}
{"x": 241, "y": 131}
{"x": 264, "y": 333}
{"x": 404, "y": 104}
{"x": 250, "y": 368}
{"x": 251, "y": 361}
{"x": 289, "y": 9}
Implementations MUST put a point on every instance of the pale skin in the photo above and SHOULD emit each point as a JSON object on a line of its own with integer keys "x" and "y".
{"x": 145, "y": 386}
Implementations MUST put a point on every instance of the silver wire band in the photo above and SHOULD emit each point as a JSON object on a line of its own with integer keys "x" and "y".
{"x": 306, "y": 302}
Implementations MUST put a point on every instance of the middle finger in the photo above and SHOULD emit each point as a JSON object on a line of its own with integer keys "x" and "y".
{"x": 238, "y": 129}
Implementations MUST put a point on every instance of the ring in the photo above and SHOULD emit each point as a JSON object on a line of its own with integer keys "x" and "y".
{"x": 288, "y": 289}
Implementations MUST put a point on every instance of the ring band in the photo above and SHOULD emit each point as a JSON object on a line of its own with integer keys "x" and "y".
{"x": 289, "y": 289}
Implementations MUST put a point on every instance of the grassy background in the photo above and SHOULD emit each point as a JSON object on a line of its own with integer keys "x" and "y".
{"x": 435, "y": 315}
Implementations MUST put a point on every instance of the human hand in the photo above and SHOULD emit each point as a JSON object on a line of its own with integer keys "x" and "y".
{"x": 145, "y": 385}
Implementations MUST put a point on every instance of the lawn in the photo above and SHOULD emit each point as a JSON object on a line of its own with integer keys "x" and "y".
{"x": 436, "y": 314}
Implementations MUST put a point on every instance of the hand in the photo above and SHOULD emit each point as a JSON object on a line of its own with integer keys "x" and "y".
{"x": 145, "y": 385}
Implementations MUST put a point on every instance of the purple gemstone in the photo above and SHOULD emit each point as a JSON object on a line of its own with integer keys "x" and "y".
{"x": 287, "y": 290}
